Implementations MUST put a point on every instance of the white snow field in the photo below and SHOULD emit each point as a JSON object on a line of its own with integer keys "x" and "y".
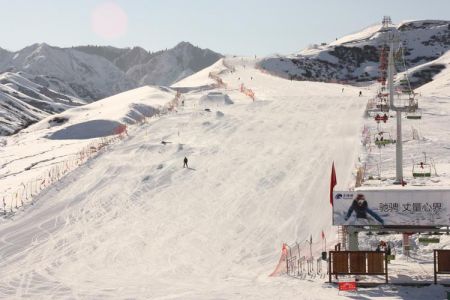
{"x": 132, "y": 223}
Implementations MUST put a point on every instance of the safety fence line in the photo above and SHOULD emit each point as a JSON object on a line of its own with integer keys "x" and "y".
{"x": 26, "y": 192}
{"x": 297, "y": 261}
{"x": 219, "y": 81}
{"x": 300, "y": 264}
{"x": 174, "y": 103}
{"x": 221, "y": 84}
{"x": 248, "y": 92}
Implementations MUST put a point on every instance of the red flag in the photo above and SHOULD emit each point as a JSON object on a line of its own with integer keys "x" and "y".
{"x": 323, "y": 235}
{"x": 333, "y": 182}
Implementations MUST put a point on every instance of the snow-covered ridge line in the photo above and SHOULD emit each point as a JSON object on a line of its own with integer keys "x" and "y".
{"x": 24, "y": 102}
{"x": 92, "y": 73}
{"x": 355, "y": 58}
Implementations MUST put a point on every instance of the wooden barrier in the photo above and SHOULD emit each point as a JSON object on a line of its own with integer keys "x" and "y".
{"x": 357, "y": 263}
{"x": 441, "y": 263}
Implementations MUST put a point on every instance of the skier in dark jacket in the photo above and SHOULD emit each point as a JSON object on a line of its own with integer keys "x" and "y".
{"x": 185, "y": 165}
{"x": 361, "y": 208}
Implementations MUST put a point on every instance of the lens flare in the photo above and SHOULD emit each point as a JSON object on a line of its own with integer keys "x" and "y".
{"x": 109, "y": 20}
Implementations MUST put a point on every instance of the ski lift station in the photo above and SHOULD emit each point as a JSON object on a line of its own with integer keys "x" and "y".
{"x": 388, "y": 203}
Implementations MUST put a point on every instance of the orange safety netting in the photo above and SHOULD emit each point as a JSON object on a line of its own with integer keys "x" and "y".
{"x": 281, "y": 267}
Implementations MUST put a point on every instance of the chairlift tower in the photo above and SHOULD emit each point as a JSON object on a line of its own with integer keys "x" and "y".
{"x": 394, "y": 42}
{"x": 386, "y": 22}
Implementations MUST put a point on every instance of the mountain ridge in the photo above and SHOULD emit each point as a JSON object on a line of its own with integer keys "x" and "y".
{"x": 95, "y": 72}
{"x": 354, "y": 58}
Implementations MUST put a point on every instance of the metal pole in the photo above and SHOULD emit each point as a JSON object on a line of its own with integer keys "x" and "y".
{"x": 398, "y": 144}
{"x": 399, "y": 150}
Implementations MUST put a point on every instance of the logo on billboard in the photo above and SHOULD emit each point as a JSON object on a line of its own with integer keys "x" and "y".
{"x": 343, "y": 196}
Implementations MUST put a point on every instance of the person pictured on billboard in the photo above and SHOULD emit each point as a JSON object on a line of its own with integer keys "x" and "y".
{"x": 361, "y": 209}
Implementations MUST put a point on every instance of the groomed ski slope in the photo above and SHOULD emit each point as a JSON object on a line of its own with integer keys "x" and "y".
{"x": 132, "y": 223}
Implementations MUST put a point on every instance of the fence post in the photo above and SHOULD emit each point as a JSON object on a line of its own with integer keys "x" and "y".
{"x": 434, "y": 266}
{"x": 329, "y": 266}
{"x": 386, "y": 267}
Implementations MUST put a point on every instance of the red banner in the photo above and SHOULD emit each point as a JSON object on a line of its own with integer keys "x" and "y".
{"x": 333, "y": 182}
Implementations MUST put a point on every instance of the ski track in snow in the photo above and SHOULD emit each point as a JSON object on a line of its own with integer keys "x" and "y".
{"x": 132, "y": 223}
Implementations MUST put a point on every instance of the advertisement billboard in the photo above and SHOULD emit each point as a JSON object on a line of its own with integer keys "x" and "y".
{"x": 392, "y": 207}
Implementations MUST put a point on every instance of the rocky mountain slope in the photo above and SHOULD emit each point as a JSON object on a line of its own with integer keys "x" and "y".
{"x": 23, "y": 102}
{"x": 40, "y": 79}
{"x": 355, "y": 58}
{"x": 92, "y": 73}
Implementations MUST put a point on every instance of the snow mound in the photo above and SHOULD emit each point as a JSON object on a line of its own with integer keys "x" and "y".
{"x": 124, "y": 108}
{"x": 215, "y": 98}
{"x": 202, "y": 78}
{"x": 86, "y": 130}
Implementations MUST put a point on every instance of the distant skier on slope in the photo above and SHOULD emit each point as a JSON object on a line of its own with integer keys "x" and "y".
{"x": 360, "y": 93}
{"x": 185, "y": 165}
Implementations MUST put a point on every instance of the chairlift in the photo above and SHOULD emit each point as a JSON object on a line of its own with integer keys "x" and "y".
{"x": 382, "y": 104}
{"x": 383, "y": 138}
{"x": 422, "y": 169}
{"x": 383, "y": 118}
{"x": 404, "y": 79}
{"x": 414, "y": 115}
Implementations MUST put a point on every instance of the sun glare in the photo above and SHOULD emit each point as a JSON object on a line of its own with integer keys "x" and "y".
{"x": 109, "y": 20}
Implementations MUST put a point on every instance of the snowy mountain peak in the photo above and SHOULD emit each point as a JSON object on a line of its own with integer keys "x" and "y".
{"x": 184, "y": 44}
{"x": 355, "y": 58}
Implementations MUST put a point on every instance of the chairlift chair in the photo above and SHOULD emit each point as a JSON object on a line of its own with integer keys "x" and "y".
{"x": 414, "y": 115}
{"x": 421, "y": 169}
{"x": 382, "y": 104}
{"x": 383, "y": 138}
{"x": 383, "y": 118}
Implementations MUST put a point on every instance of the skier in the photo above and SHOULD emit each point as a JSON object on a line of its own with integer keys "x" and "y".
{"x": 360, "y": 93}
{"x": 361, "y": 208}
{"x": 185, "y": 165}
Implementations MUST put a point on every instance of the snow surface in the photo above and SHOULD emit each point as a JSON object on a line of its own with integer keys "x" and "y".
{"x": 132, "y": 223}
{"x": 364, "y": 34}
{"x": 202, "y": 77}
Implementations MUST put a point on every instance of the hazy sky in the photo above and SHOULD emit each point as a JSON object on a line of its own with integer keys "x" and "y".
{"x": 244, "y": 27}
